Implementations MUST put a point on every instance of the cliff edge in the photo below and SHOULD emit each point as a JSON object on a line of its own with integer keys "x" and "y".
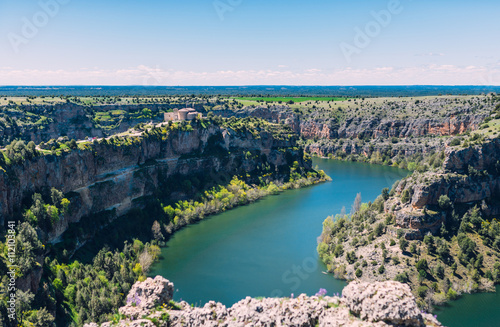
{"x": 150, "y": 304}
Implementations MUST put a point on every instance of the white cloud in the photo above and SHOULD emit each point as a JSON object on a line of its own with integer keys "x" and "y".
{"x": 430, "y": 54}
{"x": 144, "y": 75}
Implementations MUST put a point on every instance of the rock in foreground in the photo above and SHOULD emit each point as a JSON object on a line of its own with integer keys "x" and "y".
{"x": 362, "y": 304}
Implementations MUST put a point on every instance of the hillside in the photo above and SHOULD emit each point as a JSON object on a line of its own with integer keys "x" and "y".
{"x": 438, "y": 230}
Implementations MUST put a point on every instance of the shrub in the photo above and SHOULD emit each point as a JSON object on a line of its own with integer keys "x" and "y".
{"x": 422, "y": 265}
{"x": 451, "y": 294}
{"x": 444, "y": 202}
{"x": 402, "y": 278}
{"x": 440, "y": 272}
{"x": 351, "y": 257}
{"x": 422, "y": 291}
{"x": 405, "y": 197}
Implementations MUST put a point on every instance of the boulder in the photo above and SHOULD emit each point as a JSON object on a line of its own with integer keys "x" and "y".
{"x": 390, "y": 302}
{"x": 146, "y": 295}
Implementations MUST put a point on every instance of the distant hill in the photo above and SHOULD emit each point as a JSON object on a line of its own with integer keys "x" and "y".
{"x": 274, "y": 90}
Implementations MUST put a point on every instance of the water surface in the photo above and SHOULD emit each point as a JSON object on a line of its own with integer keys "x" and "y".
{"x": 268, "y": 248}
{"x": 472, "y": 310}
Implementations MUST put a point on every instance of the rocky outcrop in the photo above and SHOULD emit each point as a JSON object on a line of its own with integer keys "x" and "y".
{"x": 470, "y": 176}
{"x": 145, "y": 296}
{"x": 390, "y": 302}
{"x": 362, "y": 304}
{"x": 404, "y": 147}
{"x": 481, "y": 157}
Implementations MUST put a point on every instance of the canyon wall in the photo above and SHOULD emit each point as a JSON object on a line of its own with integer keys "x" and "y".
{"x": 112, "y": 177}
{"x": 469, "y": 176}
{"x": 357, "y": 127}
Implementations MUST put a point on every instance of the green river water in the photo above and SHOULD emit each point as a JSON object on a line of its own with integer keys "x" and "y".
{"x": 268, "y": 248}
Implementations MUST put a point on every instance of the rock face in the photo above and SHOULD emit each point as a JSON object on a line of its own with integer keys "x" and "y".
{"x": 373, "y": 304}
{"x": 483, "y": 157}
{"x": 373, "y": 127}
{"x": 470, "y": 176}
{"x": 390, "y": 302}
{"x": 144, "y": 296}
{"x": 112, "y": 177}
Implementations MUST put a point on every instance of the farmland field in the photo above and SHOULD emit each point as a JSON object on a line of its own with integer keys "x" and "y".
{"x": 294, "y": 99}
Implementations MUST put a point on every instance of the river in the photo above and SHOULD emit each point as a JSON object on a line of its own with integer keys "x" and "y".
{"x": 268, "y": 248}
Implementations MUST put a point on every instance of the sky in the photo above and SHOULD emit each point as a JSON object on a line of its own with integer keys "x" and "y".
{"x": 249, "y": 42}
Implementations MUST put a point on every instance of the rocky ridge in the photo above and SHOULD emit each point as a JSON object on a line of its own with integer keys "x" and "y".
{"x": 362, "y": 304}
{"x": 359, "y": 127}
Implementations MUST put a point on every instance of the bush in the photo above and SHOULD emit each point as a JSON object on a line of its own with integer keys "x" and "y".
{"x": 440, "y": 272}
{"x": 402, "y": 278}
{"x": 359, "y": 273}
{"x": 422, "y": 291}
{"x": 403, "y": 244}
{"x": 379, "y": 229}
{"x": 422, "y": 265}
{"x": 455, "y": 142}
{"x": 452, "y": 295}
{"x": 351, "y": 257}
{"x": 444, "y": 202}
{"x": 405, "y": 197}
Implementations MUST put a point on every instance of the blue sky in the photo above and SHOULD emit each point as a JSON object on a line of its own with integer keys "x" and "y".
{"x": 243, "y": 42}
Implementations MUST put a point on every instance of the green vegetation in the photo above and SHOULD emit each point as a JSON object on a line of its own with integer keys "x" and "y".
{"x": 291, "y": 100}
{"x": 463, "y": 257}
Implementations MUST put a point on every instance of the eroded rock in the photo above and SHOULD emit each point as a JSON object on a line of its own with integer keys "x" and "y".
{"x": 377, "y": 304}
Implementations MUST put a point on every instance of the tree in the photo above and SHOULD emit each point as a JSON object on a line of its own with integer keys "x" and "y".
{"x": 467, "y": 246}
{"x": 402, "y": 277}
{"x": 357, "y": 204}
{"x": 440, "y": 271}
{"x": 422, "y": 265}
{"x": 405, "y": 197}
{"x": 56, "y": 196}
{"x": 385, "y": 193}
{"x": 156, "y": 230}
{"x": 429, "y": 242}
{"x": 444, "y": 202}
{"x": 379, "y": 229}
{"x": 28, "y": 247}
{"x": 72, "y": 144}
{"x": 351, "y": 257}
{"x": 41, "y": 318}
{"x": 403, "y": 244}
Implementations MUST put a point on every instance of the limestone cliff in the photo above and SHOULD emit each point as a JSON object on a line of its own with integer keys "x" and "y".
{"x": 470, "y": 176}
{"x": 361, "y": 127}
{"x": 110, "y": 176}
